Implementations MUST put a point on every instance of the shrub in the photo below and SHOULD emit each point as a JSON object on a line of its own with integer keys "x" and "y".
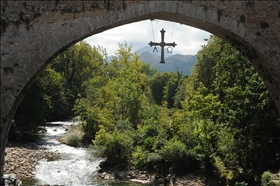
{"x": 155, "y": 162}
{"x": 149, "y": 142}
{"x": 140, "y": 157}
{"x": 143, "y": 159}
{"x": 123, "y": 125}
{"x": 90, "y": 127}
{"x": 175, "y": 154}
{"x": 173, "y": 150}
{"x": 115, "y": 147}
{"x": 266, "y": 178}
{"x": 73, "y": 137}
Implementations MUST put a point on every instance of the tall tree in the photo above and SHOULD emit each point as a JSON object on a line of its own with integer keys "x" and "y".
{"x": 39, "y": 103}
{"x": 247, "y": 112}
{"x": 77, "y": 65}
{"x": 121, "y": 96}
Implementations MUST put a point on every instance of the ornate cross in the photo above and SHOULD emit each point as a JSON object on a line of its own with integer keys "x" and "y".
{"x": 162, "y": 44}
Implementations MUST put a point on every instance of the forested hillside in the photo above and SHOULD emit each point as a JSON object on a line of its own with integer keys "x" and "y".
{"x": 220, "y": 120}
{"x": 173, "y": 63}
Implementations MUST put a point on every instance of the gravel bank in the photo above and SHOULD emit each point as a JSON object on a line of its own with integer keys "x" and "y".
{"x": 21, "y": 159}
{"x": 144, "y": 177}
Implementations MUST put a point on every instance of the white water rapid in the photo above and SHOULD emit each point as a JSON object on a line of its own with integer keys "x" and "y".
{"x": 73, "y": 166}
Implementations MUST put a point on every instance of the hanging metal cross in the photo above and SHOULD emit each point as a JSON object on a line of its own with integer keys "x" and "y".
{"x": 162, "y": 44}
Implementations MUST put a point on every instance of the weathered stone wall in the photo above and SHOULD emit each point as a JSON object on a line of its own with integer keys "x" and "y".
{"x": 33, "y": 32}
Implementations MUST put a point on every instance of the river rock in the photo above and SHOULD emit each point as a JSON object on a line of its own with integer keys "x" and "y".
{"x": 141, "y": 181}
{"x": 11, "y": 180}
{"x": 107, "y": 176}
{"x": 21, "y": 159}
{"x": 121, "y": 175}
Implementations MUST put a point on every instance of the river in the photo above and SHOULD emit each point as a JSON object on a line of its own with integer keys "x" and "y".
{"x": 71, "y": 167}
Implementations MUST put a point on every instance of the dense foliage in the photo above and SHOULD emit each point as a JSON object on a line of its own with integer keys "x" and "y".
{"x": 45, "y": 97}
{"x": 219, "y": 120}
{"x": 53, "y": 94}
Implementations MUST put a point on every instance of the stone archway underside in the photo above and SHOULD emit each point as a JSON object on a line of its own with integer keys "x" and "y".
{"x": 33, "y": 32}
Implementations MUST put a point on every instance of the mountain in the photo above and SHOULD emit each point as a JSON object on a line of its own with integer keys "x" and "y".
{"x": 154, "y": 51}
{"x": 175, "y": 62}
{"x": 149, "y": 58}
{"x": 184, "y": 63}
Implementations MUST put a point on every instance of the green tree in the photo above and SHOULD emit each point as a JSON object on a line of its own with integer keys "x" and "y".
{"x": 245, "y": 112}
{"x": 120, "y": 97}
{"x": 171, "y": 88}
{"x": 39, "y": 103}
{"x": 163, "y": 87}
{"x": 78, "y": 65}
{"x": 157, "y": 84}
{"x": 115, "y": 146}
{"x": 54, "y": 92}
{"x": 146, "y": 69}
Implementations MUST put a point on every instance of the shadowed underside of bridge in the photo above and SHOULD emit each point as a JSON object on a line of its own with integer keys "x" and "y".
{"x": 34, "y": 32}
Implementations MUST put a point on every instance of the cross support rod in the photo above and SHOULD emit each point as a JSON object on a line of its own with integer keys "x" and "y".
{"x": 162, "y": 44}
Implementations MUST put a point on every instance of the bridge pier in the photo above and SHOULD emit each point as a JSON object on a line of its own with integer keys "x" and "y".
{"x": 5, "y": 128}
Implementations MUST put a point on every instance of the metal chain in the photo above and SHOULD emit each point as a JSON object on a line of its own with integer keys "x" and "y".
{"x": 153, "y": 29}
{"x": 172, "y": 32}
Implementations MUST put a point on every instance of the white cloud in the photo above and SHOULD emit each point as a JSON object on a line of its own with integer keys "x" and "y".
{"x": 139, "y": 34}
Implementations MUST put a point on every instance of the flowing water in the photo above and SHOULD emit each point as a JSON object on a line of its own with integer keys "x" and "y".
{"x": 71, "y": 167}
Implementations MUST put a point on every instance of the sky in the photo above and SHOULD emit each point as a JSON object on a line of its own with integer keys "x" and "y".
{"x": 188, "y": 39}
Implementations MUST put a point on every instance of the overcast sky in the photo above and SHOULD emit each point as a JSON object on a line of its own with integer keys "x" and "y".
{"x": 139, "y": 34}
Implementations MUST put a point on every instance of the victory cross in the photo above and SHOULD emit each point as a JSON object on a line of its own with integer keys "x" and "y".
{"x": 162, "y": 44}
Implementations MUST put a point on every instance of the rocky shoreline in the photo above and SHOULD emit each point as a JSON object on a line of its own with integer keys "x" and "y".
{"x": 153, "y": 179}
{"x": 144, "y": 177}
{"x": 21, "y": 159}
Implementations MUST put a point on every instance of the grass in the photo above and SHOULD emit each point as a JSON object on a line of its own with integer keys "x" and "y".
{"x": 73, "y": 137}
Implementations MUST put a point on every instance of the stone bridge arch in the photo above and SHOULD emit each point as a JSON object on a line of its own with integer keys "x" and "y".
{"x": 34, "y": 32}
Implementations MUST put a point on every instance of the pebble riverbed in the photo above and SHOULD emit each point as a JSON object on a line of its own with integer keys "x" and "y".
{"x": 21, "y": 159}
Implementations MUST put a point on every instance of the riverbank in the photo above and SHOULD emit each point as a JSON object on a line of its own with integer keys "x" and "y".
{"x": 21, "y": 159}
{"x": 73, "y": 137}
{"x": 147, "y": 178}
